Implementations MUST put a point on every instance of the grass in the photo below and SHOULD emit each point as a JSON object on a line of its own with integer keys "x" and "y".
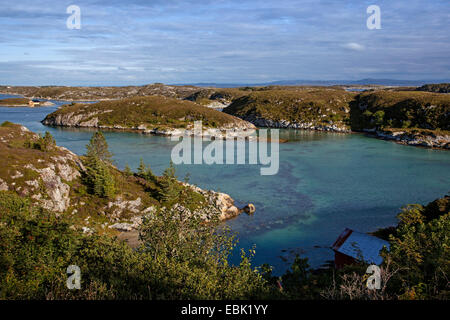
{"x": 295, "y": 104}
{"x": 153, "y": 111}
{"x": 14, "y": 102}
{"x": 401, "y": 109}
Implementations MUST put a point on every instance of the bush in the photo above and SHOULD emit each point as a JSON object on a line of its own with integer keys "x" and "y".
{"x": 36, "y": 247}
{"x": 44, "y": 143}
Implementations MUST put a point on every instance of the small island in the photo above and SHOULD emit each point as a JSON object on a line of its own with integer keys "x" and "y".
{"x": 152, "y": 114}
{"x": 24, "y": 102}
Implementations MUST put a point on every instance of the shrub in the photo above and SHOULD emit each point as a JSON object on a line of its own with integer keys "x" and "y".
{"x": 37, "y": 246}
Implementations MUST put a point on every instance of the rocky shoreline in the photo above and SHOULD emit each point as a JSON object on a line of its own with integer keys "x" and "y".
{"x": 285, "y": 124}
{"x": 220, "y": 205}
{"x": 415, "y": 139}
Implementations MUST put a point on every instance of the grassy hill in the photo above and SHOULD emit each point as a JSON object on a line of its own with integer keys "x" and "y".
{"x": 146, "y": 112}
{"x": 294, "y": 105}
{"x": 403, "y": 109}
{"x": 51, "y": 177}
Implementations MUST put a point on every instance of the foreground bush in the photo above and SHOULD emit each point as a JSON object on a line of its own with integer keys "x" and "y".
{"x": 36, "y": 247}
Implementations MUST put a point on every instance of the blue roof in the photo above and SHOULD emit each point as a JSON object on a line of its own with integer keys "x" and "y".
{"x": 361, "y": 246}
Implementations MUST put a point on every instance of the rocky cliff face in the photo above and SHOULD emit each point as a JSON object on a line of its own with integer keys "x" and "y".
{"x": 45, "y": 177}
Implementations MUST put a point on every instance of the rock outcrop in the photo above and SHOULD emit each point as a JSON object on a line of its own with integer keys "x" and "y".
{"x": 416, "y": 139}
{"x": 285, "y": 124}
{"x": 220, "y": 205}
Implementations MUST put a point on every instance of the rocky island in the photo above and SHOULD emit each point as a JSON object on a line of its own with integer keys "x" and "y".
{"x": 23, "y": 102}
{"x": 152, "y": 114}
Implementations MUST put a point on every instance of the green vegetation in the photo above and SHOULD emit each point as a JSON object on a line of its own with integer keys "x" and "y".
{"x": 415, "y": 268}
{"x": 153, "y": 112}
{"x": 182, "y": 258}
{"x": 98, "y": 148}
{"x": 400, "y": 109}
{"x": 316, "y": 105}
{"x": 44, "y": 143}
{"x": 11, "y": 102}
{"x": 36, "y": 248}
{"x": 169, "y": 186}
{"x": 97, "y": 175}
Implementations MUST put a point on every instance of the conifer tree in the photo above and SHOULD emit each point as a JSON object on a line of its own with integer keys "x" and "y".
{"x": 128, "y": 171}
{"x": 48, "y": 141}
{"x": 145, "y": 172}
{"x": 98, "y": 176}
{"x": 98, "y": 147}
{"x": 169, "y": 186}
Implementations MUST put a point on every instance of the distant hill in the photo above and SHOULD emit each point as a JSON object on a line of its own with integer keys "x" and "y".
{"x": 440, "y": 88}
{"x": 368, "y": 81}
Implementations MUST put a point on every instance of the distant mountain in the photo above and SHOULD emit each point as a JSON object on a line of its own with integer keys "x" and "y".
{"x": 368, "y": 81}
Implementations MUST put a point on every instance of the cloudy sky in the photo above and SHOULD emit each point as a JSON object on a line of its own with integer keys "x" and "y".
{"x": 232, "y": 41}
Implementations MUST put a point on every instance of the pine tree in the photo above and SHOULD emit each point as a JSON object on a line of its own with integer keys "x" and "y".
{"x": 142, "y": 168}
{"x": 98, "y": 147}
{"x": 98, "y": 176}
{"x": 170, "y": 190}
{"x": 128, "y": 171}
{"x": 145, "y": 171}
{"x": 48, "y": 142}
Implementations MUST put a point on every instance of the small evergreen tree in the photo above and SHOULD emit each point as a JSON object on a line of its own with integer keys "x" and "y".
{"x": 48, "y": 142}
{"x": 128, "y": 171}
{"x": 98, "y": 176}
{"x": 98, "y": 147}
{"x": 169, "y": 186}
{"x": 145, "y": 172}
{"x": 142, "y": 168}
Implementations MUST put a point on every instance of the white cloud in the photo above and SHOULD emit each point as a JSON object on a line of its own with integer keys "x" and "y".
{"x": 354, "y": 46}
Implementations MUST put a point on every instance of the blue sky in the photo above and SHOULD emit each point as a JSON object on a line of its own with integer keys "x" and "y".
{"x": 228, "y": 41}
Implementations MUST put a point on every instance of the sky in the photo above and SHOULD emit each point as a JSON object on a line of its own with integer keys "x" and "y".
{"x": 138, "y": 42}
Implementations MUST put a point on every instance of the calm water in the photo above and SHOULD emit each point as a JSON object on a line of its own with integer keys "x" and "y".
{"x": 326, "y": 182}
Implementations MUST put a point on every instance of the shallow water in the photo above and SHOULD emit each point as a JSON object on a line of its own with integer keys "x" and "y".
{"x": 326, "y": 182}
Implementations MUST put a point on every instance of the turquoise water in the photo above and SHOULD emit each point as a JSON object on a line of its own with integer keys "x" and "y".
{"x": 326, "y": 182}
